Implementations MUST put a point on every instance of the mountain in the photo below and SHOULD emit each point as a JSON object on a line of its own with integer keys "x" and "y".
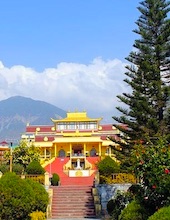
{"x": 17, "y": 111}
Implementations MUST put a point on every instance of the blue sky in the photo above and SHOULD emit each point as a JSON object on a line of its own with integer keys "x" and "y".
{"x": 40, "y": 34}
{"x": 78, "y": 44}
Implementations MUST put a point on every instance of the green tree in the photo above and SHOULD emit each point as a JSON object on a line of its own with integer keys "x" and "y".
{"x": 144, "y": 117}
{"x": 25, "y": 153}
{"x": 144, "y": 108}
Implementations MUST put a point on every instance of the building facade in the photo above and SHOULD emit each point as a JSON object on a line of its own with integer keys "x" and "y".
{"x": 76, "y": 137}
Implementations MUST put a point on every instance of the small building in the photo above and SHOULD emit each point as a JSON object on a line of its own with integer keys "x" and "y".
{"x": 76, "y": 137}
{"x": 4, "y": 146}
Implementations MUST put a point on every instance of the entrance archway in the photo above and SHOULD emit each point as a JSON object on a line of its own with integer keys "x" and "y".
{"x": 77, "y": 149}
{"x": 93, "y": 152}
{"x": 62, "y": 153}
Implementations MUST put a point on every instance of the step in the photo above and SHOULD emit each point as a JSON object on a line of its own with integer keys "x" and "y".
{"x": 72, "y": 193}
{"x": 68, "y": 210}
{"x": 67, "y": 200}
{"x": 72, "y": 202}
{"x": 73, "y": 214}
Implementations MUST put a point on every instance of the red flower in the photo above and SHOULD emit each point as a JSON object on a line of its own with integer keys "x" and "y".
{"x": 154, "y": 187}
{"x": 166, "y": 171}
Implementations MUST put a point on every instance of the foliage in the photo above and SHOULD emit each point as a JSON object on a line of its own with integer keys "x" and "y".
{"x": 162, "y": 214}
{"x": 41, "y": 196}
{"x": 133, "y": 211}
{"x": 18, "y": 168}
{"x": 55, "y": 179}
{"x": 20, "y": 197}
{"x": 107, "y": 166}
{"x": 35, "y": 168}
{"x": 144, "y": 109}
{"x": 4, "y": 168}
{"x": 134, "y": 189}
{"x": 152, "y": 167}
{"x": 116, "y": 205}
{"x": 25, "y": 153}
{"x": 104, "y": 179}
{"x": 145, "y": 113}
{"x": 37, "y": 216}
{"x": 17, "y": 197}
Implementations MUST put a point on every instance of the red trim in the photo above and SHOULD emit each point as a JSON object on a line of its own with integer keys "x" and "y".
{"x": 41, "y": 139}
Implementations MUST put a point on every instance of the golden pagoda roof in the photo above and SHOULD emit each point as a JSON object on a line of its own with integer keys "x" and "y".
{"x": 75, "y": 117}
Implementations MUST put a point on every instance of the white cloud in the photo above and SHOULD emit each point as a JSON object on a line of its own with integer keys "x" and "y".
{"x": 69, "y": 86}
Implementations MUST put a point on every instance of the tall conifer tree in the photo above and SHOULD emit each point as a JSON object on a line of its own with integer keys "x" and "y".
{"x": 148, "y": 75}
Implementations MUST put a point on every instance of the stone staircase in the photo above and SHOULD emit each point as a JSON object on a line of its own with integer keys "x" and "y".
{"x": 71, "y": 201}
{"x": 73, "y": 197}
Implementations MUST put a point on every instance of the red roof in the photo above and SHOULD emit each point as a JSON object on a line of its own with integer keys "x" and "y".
{"x": 106, "y": 137}
{"x": 37, "y": 128}
{"x": 107, "y": 127}
{"x": 30, "y": 129}
{"x": 3, "y": 143}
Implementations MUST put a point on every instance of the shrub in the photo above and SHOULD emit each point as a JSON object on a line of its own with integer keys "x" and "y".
{"x": 108, "y": 166}
{"x": 163, "y": 214}
{"x": 38, "y": 215}
{"x": 17, "y": 197}
{"x": 40, "y": 194}
{"x": 116, "y": 205}
{"x": 55, "y": 179}
{"x": 135, "y": 189}
{"x": 35, "y": 168}
{"x": 4, "y": 168}
{"x": 18, "y": 168}
{"x": 151, "y": 165}
{"x": 20, "y": 197}
{"x": 133, "y": 211}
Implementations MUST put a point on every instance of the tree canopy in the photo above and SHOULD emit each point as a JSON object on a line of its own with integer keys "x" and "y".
{"x": 144, "y": 122}
{"x": 148, "y": 75}
{"x": 25, "y": 153}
